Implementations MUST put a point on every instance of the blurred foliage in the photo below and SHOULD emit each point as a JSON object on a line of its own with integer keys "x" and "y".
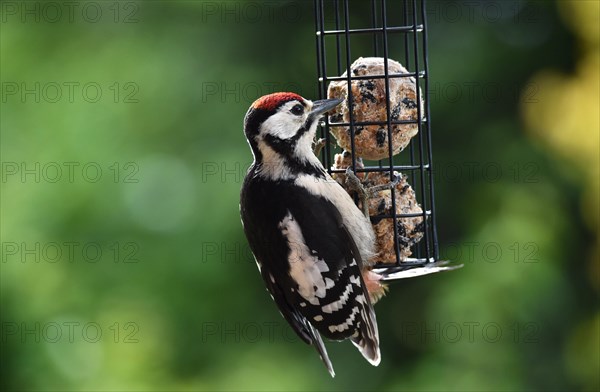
{"x": 175, "y": 293}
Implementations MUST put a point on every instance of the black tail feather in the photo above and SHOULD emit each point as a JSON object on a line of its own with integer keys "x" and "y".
{"x": 367, "y": 338}
{"x": 320, "y": 346}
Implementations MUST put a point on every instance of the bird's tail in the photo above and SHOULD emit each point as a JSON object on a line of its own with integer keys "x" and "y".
{"x": 366, "y": 338}
{"x": 320, "y": 346}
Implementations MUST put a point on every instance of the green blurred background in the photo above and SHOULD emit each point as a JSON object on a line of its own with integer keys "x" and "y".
{"x": 124, "y": 265}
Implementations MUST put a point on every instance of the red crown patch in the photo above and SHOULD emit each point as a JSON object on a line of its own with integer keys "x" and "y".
{"x": 273, "y": 101}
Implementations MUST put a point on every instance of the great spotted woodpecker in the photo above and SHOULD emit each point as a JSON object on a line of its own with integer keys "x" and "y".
{"x": 310, "y": 241}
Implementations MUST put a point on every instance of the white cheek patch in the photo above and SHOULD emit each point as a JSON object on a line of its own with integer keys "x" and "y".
{"x": 305, "y": 268}
{"x": 283, "y": 124}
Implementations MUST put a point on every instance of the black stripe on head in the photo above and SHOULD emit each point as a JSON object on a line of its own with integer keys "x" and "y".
{"x": 285, "y": 148}
{"x": 254, "y": 117}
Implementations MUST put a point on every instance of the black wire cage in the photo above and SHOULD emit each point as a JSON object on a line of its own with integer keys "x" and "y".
{"x": 396, "y": 30}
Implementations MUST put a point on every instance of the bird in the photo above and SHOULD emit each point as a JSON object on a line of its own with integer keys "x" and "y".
{"x": 310, "y": 241}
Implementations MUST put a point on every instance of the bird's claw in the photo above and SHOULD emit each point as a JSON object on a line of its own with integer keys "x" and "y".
{"x": 354, "y": 183}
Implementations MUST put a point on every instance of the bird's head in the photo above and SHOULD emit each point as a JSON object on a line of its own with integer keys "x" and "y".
{"x": 280, "y": 127}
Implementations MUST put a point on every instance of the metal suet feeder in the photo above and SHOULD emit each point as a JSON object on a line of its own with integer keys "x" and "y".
{"x": 387, "y": 30}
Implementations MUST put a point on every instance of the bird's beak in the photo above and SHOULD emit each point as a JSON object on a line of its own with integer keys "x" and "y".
{"x": 324, "y": 105}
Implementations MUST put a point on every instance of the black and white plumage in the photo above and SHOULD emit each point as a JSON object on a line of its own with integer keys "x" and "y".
{"x": 311, "y": 242}
{"x": 308, "y": 237}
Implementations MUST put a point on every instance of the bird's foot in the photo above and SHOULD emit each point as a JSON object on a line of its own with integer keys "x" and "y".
{"x": 365, "y": 192}
{"x": 382, "y": 187}
{"x": 354, "y": 183}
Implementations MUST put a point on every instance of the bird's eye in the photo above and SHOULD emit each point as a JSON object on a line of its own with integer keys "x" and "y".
{"x": 297, "y": 110}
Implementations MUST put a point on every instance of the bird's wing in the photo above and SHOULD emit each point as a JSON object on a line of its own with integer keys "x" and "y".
{"x": 311, "y": 267}
{"x": 344, "y": 303}
{"x": 296, "y": 320}
{"x": 260, "y": 217}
